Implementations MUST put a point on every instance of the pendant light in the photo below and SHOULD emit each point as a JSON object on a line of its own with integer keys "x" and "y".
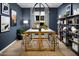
{"x": 41, "y": 5}
{"x": 40, "y": 10}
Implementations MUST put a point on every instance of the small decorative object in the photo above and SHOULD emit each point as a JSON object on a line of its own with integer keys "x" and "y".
{"x": 67, "y": 14}
{"x": 40, "y": 29}
{"x": 13, "y": 17}
{"x": 70, "y": 21}
{"x": 44, "y": 26}
{"x": 65, "y": 22}
{"x": 58, "y": 22}
{"x": 5, "y": 9}
{"x": 74, "y": 30}
{"x": 61, "y": 22}
{"x": 64, "y": 28}
{"x": 5, "y": 23}
{"x": 76, "y": 11}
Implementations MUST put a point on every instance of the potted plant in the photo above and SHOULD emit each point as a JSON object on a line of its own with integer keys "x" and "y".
{"x": 19, "y": 32}
{"x": 45, "y": 26}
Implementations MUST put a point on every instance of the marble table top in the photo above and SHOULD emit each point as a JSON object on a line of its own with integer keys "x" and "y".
{"x": 42, "y": 30}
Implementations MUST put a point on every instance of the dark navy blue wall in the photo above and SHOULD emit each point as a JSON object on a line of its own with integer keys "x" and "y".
{"x": 53, "y": 13}
{"x": 7, "y": 37}
{"x": 26, "y": 15}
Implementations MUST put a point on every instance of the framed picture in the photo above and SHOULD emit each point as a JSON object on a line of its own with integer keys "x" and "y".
{"x": 13, "y": 17}
{"x": 68, "y": 10}
{"x": 5, "y": 23}
{"x": 5, "y": 9}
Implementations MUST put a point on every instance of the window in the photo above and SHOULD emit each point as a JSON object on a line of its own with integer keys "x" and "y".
{"x": 37, "y": 18}
{"x": 42, "y": 17}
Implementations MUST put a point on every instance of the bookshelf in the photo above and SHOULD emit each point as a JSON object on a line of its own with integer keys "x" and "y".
{"x": 68, "y": 30}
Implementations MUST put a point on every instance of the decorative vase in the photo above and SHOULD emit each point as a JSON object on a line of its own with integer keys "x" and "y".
{"x": 39, "y": 29}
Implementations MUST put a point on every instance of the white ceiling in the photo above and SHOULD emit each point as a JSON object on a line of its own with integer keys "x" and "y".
{"x": 30, "y": 5}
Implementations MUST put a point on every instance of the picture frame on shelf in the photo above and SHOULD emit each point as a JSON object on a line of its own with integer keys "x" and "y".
{"x": 68, "y": 10}
{"x": 5, "y": 23}
{"x": 5, "y": 8}
{"x": 76, "y": 10}
{"x": 13, "y": 18}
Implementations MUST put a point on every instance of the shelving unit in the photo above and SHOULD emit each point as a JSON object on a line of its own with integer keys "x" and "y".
{"x": 67, "y": 36}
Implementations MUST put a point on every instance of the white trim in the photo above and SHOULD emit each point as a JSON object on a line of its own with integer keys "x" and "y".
{"x": 7, "y": 46}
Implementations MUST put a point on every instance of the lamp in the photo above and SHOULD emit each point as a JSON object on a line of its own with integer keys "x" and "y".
{"x": 40, "y": 5}
{"x": 25, "y": 22}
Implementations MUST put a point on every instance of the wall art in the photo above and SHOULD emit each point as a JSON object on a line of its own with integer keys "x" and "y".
{"x": 13, "y": 17}
{"x": 5, "y": 23}
{"x": 5, "y": 9}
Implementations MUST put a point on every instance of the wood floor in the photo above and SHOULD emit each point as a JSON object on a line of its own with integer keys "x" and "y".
{"x": 16, "y": 50}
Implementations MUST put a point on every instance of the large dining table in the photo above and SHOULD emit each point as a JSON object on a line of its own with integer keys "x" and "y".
{"x": 40, "y": 36}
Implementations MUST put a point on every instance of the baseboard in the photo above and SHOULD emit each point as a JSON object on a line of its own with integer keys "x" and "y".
{"x": 7, "y": 46}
